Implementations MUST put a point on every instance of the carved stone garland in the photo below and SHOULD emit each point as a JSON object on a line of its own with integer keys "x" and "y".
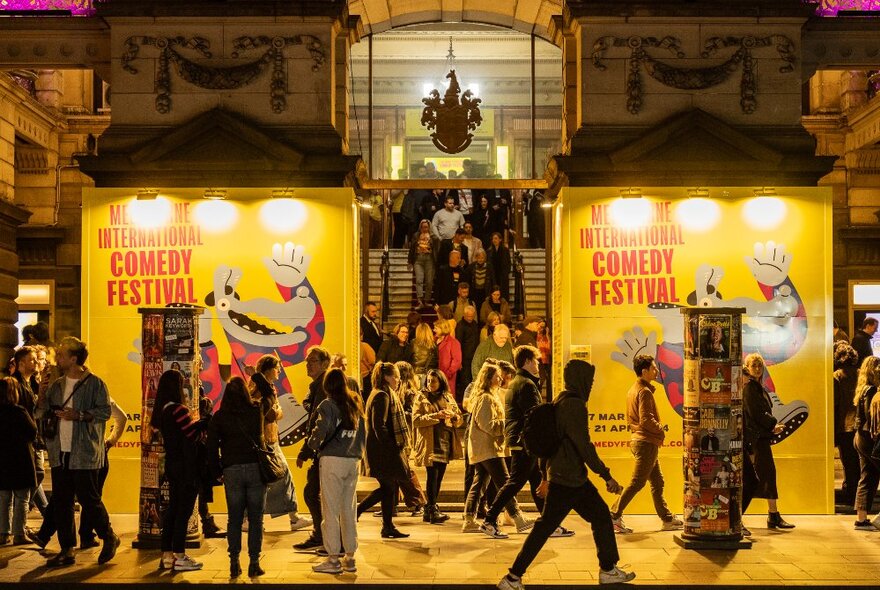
{"x": 694, "y": 78}
{"x": 221, "y": 78}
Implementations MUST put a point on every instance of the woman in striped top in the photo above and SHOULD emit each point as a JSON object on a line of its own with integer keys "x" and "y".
{"x": 182, "y": 437}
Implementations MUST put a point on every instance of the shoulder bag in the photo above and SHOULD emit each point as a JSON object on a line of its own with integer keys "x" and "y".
{"x": 271, "y": 467}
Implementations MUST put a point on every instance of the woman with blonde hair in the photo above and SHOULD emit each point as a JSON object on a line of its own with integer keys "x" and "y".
{"x": 492, "y": 320}
{"x": 448, "y": 352}
{"x": 867, "y": 423}
{"x": 759, "y": 469}
{"x": 485, "y": 447}
{"x": 424, "y": 352}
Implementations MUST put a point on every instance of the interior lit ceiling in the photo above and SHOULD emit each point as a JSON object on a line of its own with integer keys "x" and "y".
{"x": 526, "y": 16}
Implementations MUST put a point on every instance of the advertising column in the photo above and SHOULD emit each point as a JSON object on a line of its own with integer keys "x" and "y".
{"x": 713, "y": 429}
{"x": 169, "y": 339}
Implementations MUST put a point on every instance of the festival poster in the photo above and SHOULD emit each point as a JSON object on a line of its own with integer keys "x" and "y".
{"x": 627, "y": 267}
{"x": 714, "y": 380}
{"x": 691, "y": 383}
{"x": 715, "y": 510}
{"x": 154, "y": 337}
{"x": 152, "y": 371}
{"x": 179, "y": 335}
{"x": 151, "y": 520}
{"x": 692, "y": 508}
{"x": 714, "y": 433}
{"x": 715, "y": 337}
{"x": 274, "y": 276}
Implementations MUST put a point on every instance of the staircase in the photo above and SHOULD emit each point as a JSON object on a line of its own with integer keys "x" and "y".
{"x": 401, "y": 289}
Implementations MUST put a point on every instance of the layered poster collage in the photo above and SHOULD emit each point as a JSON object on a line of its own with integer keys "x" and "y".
{"x": 168, "y": 341}
{"x": 713, "y": 425}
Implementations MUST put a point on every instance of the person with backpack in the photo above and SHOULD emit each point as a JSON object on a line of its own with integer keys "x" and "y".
{"x": 566, "y": 451}
{"x": 523, "y": 394}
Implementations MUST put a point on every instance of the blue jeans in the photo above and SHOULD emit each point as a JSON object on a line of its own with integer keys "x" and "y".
{"x": 14, "y": 502}
{"x": 244, "y": 489}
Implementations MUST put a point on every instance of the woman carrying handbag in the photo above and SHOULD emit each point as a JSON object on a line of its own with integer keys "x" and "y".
{"x": 280, "y": 495}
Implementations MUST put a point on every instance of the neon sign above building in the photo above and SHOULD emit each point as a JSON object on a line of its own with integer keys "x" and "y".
{"x": 73, "y": 7}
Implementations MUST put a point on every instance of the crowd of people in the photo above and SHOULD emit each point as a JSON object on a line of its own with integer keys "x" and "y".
{"x": 420, "y": 406}
{"x": 857, "y": 420}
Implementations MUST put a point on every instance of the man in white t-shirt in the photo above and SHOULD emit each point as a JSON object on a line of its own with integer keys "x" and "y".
{"x": 81, "y": 403}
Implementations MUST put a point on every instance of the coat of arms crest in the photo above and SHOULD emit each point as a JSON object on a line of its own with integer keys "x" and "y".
{"x": 454, "y": 117}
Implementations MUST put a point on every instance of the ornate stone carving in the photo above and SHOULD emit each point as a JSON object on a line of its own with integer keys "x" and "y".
{"x": 221, "y": 78}
{"x": 693, "y": 78}
{"x": 453, "y": 117}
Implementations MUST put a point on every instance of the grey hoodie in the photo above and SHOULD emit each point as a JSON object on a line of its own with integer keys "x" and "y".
{"x": 568, "y": 466}
{"x": 345, "y": 443}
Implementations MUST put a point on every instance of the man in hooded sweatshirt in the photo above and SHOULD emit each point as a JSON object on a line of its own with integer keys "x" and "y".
{"x": 569, "y": 487}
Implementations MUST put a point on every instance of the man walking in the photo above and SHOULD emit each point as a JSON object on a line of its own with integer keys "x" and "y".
{"x": 81, "y": 403}
{"x": 645, "y": 442}
{"x": 523, "y": 394}
{"x": 317, "y": 363}
{"x": 569, "y": 488}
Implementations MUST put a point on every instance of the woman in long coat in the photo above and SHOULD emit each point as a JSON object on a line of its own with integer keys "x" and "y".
{"x": 759, "y": 469}
{"x": 387, "y": 446}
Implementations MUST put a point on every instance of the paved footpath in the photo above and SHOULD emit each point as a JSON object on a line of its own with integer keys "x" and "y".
{"x": 822, "y": 551}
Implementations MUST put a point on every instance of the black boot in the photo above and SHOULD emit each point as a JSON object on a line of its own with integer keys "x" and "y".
{"x": 775, "y": 521}
{"x": 234, "y": 566}
{"x": 438, "y": 517}
{"x": 254, "y": 569}
{"x": 211, "y": 530}
{"x": 428, "y": 513}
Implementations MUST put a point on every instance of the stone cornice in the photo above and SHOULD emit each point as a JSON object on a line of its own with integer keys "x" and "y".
{"x": 220, "y": 8}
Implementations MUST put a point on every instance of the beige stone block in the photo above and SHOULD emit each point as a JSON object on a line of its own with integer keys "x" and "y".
{"x": 301, "y": 78}
{"x": 125, "y": 82}
{"x": 770, "y": 109}
{"x": 864, "y": 197}
{"x": 610, "y": 109}
{"x": 131, "y": 109}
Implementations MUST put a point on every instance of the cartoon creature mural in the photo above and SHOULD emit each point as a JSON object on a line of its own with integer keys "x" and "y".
{"x": 775, "y": 327}
{"x": 260, "y": 326}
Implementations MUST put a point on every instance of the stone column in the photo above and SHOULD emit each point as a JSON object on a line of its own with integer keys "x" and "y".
{"x": 50, "y": 88}
{"x": 853, "y": 90}
{"x": 11, "y": 217}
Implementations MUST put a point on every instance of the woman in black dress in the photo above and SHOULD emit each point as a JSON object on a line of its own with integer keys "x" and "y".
{"x": 759, "y": 469}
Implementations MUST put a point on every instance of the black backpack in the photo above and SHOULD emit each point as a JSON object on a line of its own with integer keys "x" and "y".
{"x": 540, "y": 434}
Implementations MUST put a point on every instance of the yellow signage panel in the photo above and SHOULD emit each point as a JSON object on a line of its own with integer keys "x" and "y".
{"x": 275, "y": 276}
{"x": 629, "y": 264}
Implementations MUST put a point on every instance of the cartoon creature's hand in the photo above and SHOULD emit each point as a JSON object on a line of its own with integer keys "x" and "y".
{"x": 135, "y": 355}
{"x": 770, "y": 263}
{"x": 633, "y": 344}
{"x": 288, "y": 265}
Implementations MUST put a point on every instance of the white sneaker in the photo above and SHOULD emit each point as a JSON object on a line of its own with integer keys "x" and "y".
{"x": 615, "y": 576}
{"x": 166, "y": 563}
{"x": 561, "y": 531}
{"x": 876, "y": 522}
{"x": 491, "y": 530}
{"x": 522, "y": 523}
{"x": 672, "y": 525}
{"x": 330, "y": 565}
{"x": 508, "y": 584}
{"x": 301, "y": 522}
{"x": 619, "y": 527}
{"x": 348, "y": 565}
{"x": 470, "y": 526}
{"x": 185, "y": 564}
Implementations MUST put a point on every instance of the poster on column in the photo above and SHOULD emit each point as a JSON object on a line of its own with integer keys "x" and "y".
{"x": 629, "y": 265}
{"x": 275, "y": 276}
